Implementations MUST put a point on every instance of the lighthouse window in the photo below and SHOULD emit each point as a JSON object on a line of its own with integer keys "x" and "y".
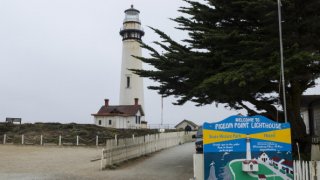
{"x": 128, "y": 81}
{"x": 137, "y": 119}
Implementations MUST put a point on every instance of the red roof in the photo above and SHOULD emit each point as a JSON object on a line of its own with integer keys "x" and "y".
{"x": 261, "y": 176}
{"x": 287, "y": 163}
{"x": 249, "y": 161}
{"x": 276, "y": 159}
{"x": 122, "y": 110}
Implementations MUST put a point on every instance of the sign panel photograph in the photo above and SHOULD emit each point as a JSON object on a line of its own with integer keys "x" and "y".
{"x": 241, "y": 147}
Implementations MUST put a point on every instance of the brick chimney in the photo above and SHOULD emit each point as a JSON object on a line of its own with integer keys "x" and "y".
{"x": 136, "y": 101}
{"x": 106, "y": 102}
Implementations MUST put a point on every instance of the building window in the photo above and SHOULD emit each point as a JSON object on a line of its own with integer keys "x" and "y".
{"x": 137, "y": 119}
{"x": 99, "y": 122}
{"x": 128, "y": 82}
{"x": 110, "y": 122}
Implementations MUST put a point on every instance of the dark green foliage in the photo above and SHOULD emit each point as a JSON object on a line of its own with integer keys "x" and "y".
{"x": 69, "y": 132}
{"x": 232, "y": 56}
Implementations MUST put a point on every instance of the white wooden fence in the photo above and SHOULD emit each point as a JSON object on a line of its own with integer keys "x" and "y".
{"x": 306, "y": 170}
{"x": 315, "y": 149}
{"x": 56, "y": 140}
{"x": 118, "y": 151}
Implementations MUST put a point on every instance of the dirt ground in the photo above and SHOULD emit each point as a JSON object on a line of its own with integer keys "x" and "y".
{"x": 35, "y": 162}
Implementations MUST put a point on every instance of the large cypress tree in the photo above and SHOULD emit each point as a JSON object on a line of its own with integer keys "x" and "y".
{"x": 232, "y": 56}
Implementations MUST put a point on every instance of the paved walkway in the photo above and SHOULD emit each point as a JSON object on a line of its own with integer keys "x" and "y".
{"x": 30, "y": 162}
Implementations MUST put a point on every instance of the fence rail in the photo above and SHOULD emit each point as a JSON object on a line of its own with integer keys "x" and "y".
{"x": 306, "y": 170}
{"x": 121, "y": 150}
{"x": 57, "y": 140}
{"x": 161, "y": 126}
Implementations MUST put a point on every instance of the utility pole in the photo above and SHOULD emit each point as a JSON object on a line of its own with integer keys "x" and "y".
{"x": 282, "y": 63}
{"x": 161, "y": 111}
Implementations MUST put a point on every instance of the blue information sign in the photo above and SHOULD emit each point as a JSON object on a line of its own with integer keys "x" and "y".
{"x": 241, "y": 147}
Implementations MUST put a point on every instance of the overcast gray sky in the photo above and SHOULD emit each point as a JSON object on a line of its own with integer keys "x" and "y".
{"x": 60, "y": 58}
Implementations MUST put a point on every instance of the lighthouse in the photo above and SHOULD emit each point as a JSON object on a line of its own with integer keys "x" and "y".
{"x": 249, "y": 164}
{"x": 131, "y": 85}
{"x": 129, "y": 114}
{"x": 248, "y": 148}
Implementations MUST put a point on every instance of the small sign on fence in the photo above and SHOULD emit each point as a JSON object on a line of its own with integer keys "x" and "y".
{"x": 13, "y": 120}
{"x": 247, "y": 148}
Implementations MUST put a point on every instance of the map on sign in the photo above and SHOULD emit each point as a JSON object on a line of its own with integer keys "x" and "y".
{"x": 242, "y": 147}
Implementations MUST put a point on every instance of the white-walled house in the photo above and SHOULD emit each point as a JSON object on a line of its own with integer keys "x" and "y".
{"x": 120, "y": 116}
{"x": 183, "y": 124}
{"x": 287, "y": 167}
{"x": 263, "y": 157}
{"x": 276, "y": 162}
{"x": 250, "y": 166}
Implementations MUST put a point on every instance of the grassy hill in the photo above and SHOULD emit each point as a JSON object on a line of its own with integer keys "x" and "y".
{"x": 51, "y": 132}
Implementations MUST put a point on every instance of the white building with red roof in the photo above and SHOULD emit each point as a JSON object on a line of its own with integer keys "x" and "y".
{"x": 120, "y": 116}
{"x": 262, "y": 177}
{"x": 287, "y": 167}
{"x": 276, "y": 162}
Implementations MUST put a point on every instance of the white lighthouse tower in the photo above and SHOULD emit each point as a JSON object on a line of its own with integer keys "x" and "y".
{"x": 131, "y": 86}
{"x": 249, "y": 164}
{"x": 129, "y": 114}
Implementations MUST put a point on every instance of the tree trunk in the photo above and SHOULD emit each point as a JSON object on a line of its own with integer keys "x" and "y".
{"x": 298, "y": 128}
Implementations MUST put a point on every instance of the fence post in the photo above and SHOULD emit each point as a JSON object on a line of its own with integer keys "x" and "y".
{"x": 97, "y": 140}
{"x": 4, "y": 138}
{"x": 125, "y": 146}
{"x": 102, "y": 157}
{"x": 60, "y": 140}
{"x": 148, "y": 144}
{"x": 77, "y": 140}
{"x": 116, "y": 139}
{"x": 317, "y": 166}
{"x": 22, "y": 139}
{"x": 310, "y": 169}
{"x": 145, "y": 145}
{"x": 41, "y": 140}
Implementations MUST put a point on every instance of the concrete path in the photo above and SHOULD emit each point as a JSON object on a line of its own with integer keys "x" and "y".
{"x": 50, "y": 163}
{"x": 175, "y": 163}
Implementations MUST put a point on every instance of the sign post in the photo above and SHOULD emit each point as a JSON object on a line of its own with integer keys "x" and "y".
{"x": 242, "y": 147}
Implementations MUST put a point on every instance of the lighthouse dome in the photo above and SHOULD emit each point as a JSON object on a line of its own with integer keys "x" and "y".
{"x": 131, "y": 29}
{"x": 132, "y": 15}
